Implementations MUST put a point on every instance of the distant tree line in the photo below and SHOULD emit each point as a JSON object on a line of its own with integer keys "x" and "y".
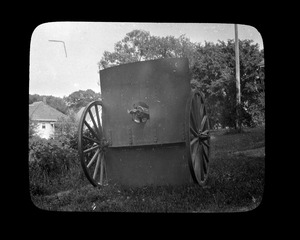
{"x": 74, "y": 102}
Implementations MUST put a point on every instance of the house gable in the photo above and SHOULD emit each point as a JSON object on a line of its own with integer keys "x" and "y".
{"x": 45, "y": 116}
{"x": 39, "y": 111}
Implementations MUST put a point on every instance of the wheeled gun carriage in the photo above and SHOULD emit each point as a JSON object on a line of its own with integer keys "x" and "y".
{"x": 150, "y": 127}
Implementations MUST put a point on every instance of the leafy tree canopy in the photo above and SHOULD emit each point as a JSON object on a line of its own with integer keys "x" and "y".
{"x": 214, "y": 74}
{"x": 139, "y": 45}
{"x": 81, "y": 98}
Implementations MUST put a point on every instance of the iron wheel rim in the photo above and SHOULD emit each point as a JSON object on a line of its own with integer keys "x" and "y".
{"x": 198, "y": 138}
{"x": 92, "y": 145}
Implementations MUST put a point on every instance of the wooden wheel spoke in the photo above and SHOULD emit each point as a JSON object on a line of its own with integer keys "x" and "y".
{"x": 205, "y": 132}
{"x": 196, "y": 155}
{"x": 197, "y": 168}
{"x": 101, "y": 169}
{"x": 200, "y": 163}
{"x": 192, "y": 130}
{"x": 204, "y": 166}
{"x": 93, "y": 158}
{"x": 98, "y": 119}
{"x": 97, "y": 166}
{"x": 195, "y": 112}
{"x": 205, "y": 143}
{"x": 91, "y": 130}
{"x": 199, "y": 108}
{"x": 205, "y": 156}
{"x": 194, "y": 122}
{"x": 194, "y": 141}
{"x": 203, "y": 123}
{"x": 90, "y": 149}
{"x": 204, "y": 160}
{"x": 91, "y": 139}
{"x": 93, "y": 120}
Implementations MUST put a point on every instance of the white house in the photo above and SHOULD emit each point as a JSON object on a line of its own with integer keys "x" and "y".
{"x": 46, "y": 117}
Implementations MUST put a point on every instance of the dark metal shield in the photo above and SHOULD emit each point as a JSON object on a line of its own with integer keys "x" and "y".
{"x": 163, "y": 86}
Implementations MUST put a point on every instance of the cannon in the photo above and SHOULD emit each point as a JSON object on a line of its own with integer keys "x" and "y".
{"x": 149, "y": 127}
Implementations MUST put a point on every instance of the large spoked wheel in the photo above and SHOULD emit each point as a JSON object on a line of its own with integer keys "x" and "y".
{"x": 198, "y": 138}
{"x": 91, "y": 144}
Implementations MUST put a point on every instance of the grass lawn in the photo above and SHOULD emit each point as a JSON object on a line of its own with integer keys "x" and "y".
{"x": 235, "y": 183}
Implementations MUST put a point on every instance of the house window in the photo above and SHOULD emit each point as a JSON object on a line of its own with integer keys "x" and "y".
{"x": 52, "y": 125}
{"x": 43, "y": 125}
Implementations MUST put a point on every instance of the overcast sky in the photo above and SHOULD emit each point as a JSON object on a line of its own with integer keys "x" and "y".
{"x": 52, "y": 73}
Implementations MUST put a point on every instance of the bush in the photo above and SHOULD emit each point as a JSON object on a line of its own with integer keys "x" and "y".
{"x": 51, "y": 161}
{"x": 54, "y": 164}
{"x": 66, "y": 129}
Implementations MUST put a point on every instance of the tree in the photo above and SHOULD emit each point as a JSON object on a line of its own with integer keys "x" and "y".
{"x": 34, "y": 98}
{"x": 211, "y": 78}
{"x": 76, "y": 100}
{"x": 139, "y": 45}
{"x": 257, "y": 107}
{"x": 57, "y": 103}
{"x": 214, "y": 70}
{"x": 66, "y": 129}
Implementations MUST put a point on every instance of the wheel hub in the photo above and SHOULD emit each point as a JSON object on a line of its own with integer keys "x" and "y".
{"x": 104, "y": 144}
{"x": 203, "y": 136}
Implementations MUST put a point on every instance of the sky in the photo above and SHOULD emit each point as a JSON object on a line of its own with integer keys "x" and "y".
{"x": 54, "y": 73}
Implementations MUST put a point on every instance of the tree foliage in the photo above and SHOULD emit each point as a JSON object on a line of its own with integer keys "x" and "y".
{"x": 139, "y": 45}
{"x": 50, "y": 163}
{"x": 80, "y": 98}
{"x": 214, "y": 74}
{"x": 66, "y": 129}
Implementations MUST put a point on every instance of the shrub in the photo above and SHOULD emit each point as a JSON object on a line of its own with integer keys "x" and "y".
{"x": 53, "y": 163}
{"x": 50, "y": 162}
{"x": 67, "y": 129}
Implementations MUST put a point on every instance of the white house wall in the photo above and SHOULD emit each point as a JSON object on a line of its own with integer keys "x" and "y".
{"x": 46, "y": 132}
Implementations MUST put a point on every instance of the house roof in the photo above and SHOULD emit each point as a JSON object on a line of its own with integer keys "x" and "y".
{"x": 43, "y": 112}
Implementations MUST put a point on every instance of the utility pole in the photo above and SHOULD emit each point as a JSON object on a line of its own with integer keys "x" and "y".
{"x": 238, "y": 85}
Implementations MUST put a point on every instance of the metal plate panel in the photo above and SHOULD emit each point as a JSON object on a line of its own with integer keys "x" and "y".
{"x": 148, "y": 166}
{"x": 164, "y": 85}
